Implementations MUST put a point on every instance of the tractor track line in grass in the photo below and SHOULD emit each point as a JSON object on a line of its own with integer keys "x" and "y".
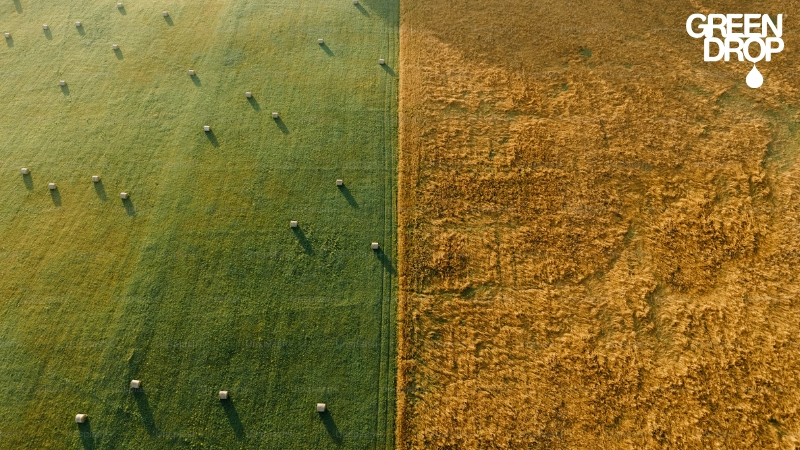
{"x": 386, "y": 255}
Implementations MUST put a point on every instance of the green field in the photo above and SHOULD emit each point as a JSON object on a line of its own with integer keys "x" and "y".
{"x": 197, "y": 283}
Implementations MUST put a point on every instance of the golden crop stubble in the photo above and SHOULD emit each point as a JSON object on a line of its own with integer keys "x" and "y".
{"x": 598, "y": 232}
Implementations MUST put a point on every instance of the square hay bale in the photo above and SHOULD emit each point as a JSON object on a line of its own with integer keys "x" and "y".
{"x": 248, "y": 94}
{"x": 123, "y": 195}
{"x": 7, "y": 35}
{"x": 136, "y": 384}
{"x": 355, "y": 2}
{"x": 223, "y": 395}
{"x": 96, "y": 178}
{"x": 206, "y": 128}
{"x": 45, "y": 27}
{"x": 381, "y": 61}
{"x": 293, "y": 224}
{"x": 119, "y": 5}
{"x": 274, "y": 115}
{"x": 80, "y": 418}
{"x": 321, "y": 407}
{"x": 51, "y": 186}
{"x": 62, "y": 83}
{"x": 114, "y": 47}
{"x": 320, "y": 41}
{"x": 165, "y": 13}
{"x": 25, "y": 171}
{"x": 339, "y": 182}
{"x": 78, "y": 24}
{"x": 191, "y": 73}
{"x": 375, "y": 246}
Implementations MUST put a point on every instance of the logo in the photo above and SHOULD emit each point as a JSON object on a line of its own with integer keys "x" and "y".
{"x": 750, "y": 37}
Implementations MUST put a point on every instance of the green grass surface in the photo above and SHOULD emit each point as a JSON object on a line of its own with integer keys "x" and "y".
{"x": 197, "y": 283}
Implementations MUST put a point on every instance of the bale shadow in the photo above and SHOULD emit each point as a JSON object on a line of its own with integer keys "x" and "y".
{"x": 87, "y": 437}
{"x": 233, "y": 418}
{"x": 18, "y": 6}
{"x": 101, "y": 190}
{"x": 169, "y": 21}
{"x": 388, "y": 70}
{"x": 65, "y": 89}
{"x": 196, "y": 80}
{"x": 348, "y": 196}
{"x": 28, "y": 180}
{"x": 386, "y": 10}
{"x": 10, "y": 42}
{"x": 129, "y": 206}
{"x": 304, "y": 242}
{"x": 118, "y": 54}
{"x": 254, "y": 103}
{"x": 281, "y": 125}
{"x": 48, "y": 34}
{"x": 330, "y": 427}
{"x": 362, "y": 9}
{"x": 327, "y": 49}
{"x": 387, "y": 263}
{"x": 144, "y": 409}
{"x": 56, "y": 196}
{"x": 81, "y": 31}
{"x": 122, "y": 10}
{"x": 212, "y": 138}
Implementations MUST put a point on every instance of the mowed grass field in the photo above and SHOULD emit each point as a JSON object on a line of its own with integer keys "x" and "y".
{"x": 599, "y": 242}
{"x": 196, "y": 283}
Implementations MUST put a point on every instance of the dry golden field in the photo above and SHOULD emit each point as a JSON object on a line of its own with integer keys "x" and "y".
{"x": 599, "y": 232}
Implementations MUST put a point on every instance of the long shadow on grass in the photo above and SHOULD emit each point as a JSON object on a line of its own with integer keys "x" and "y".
{"x": 196, "y": 80}
{"x": 10, "y": 42}
{"x": 81, "y": 31}
{"x": 101, "y": 190}
{"x": 254, "y": 103}
{"x": 281, "y": 125}
{"x": 56, "y": 196}
{"x": 330, "y": 426}
{"x": 118, "y": 54}
{"x": 233, "y": 418}
{"x": 304, "y": 242}
{"x": 387, "y": 263}
{"x": 388, "y": 69}
{"x": 129, "y": 206}
{"x": 327, "y": 49}
{"x": 122, "y": 11}
{"x": 87, "y": 437}
{"x": 48, "y": 34}
{"x": 18, "y": 6}
{"x": 348, "y": 196}
{"x": 169, "y": 21}
{"x": 65, "y": 89}
{"x": 145, "y": 411}
{"x": 386, "y": 10}
{"x": 28, "y": 180}
{"x": 212, "y": 138}
{"x": 363, "y": 11}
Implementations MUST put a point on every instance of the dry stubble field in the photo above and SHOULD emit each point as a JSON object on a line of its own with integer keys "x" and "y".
{"x": 598, "y": 231}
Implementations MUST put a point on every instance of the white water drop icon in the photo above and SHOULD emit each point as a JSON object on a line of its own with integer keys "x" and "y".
{"x": 754, "y": 78}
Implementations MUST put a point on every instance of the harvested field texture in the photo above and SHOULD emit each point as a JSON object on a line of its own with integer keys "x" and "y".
{"x": 598, "y": 231}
